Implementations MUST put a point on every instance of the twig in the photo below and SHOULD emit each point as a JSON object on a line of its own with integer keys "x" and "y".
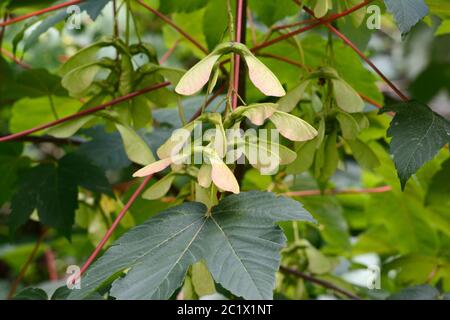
{"x": 308, "y": 193}
{"x": 27, "y": 264}
{"x": 295, "y": 24}
{"x": 113, "y": 227}
{"x": 39, "y": 12}
{"x": 51, "y": 265}
{"x": 17, "y": 61}
{"x": 284, "y": 59}
{"x": 169, "y": 52}
{"x": 173, "y": 25}
{"x": 312, "y": 26}
{"x": 320, "y": 282}
{"x": 240, "y": 28}
{"x": 84, "y": 112}
{"x": 360, "y": 53}
{"x": 208, "y": 102}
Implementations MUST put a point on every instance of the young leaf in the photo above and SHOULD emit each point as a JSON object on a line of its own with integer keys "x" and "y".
{"x": 69, "y": 128}
{"x": 417, "y": 134}
{"x": 240, "y": 233}
{"x": 349, "y": 126}
{"x": 363, "y": 154}
{"x": 293, "y": 97}
{"x": 322, "y": 7}
{"x": 80, "y": 79}
{"x": 292, "y": 127}
{"x": 160, "y": 188}
{"x": 137, "y": 150}
{"x": 204, "y": 175}
{"x": 346, "y": 97}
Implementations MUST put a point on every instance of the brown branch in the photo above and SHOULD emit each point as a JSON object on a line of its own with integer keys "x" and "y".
{"x": 308, "y": 193}
{"x": 284, "y": 59}
{"x": 39, "y": 12}
{"x": 312, "y": 26}
{"x": 173, "y": 25}
{"x": 360, "y": 53}
{"x": 290, "y": 25}
{"x": 84, "y": 112}
{"x": 26, "y": 265}
{"x": 320, "y": 282}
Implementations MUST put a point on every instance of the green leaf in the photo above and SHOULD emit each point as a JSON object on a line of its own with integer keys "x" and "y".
{"x": 363, "y": 154}
{"x": 105, "y": 150}
{"x": 292, "y": 127}
{"x": 215, "y": 22}
{"x": 92, "y": 7}
{"x": 293, "y": 97}
{"x": 269, "y": 11}
{"x": 439, "y": 189}
{"x": 85, "y": 173}
{"x": 11, "y": 163}
{"x": 50, "y": 190}
{"x": 417, "y": 134}
{"x": 240, "y": 233}
{"x": 80, "y": 79}
{"x": 160, "y": 188}
{"x": 28, "y": 113}
{"x": 422, "y": 292}
{"x": 69, "y": 128}
{"x": 202, "y": 280}
{"x": 136, "y": 148}
{"x": 305, "y": 157}
{"x": 346, "y": 97}
{"x": 407, "y": 12}
{"x": 31, "y": 294}
{"x": 349, "y": 126}
{"x": 181, "y": 5}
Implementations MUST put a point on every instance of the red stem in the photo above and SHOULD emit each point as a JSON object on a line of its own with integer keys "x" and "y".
{"x": 237, "y": 61}
{"x": 26, "y": 265}
{"x": 312, "y": 26}
{"x": 169, "y": 52}
{"x": 290, "y": 25}
{"x": 208, "y": 102}
{"x": 15, "y": 59}
{"x": 297, "y": 64}
{"x": 39, "y": 12}
{"x": 51, "y": 265}
{"x": 113, "y": 227}
{"x": 308, "y": 193}
{"x": 173, "y": 25}
{"x": 361, "y": 54}
{"x": 84, "y": 112}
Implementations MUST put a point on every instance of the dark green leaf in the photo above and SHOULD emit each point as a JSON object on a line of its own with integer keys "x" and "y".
{"x": 407, "y": 12}
{"x": 239, "y": 243}
{"x": 417, "y": 134}
{"x": 31, "y": 294}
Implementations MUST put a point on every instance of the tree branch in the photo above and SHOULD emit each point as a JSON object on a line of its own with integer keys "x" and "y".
{"x": 39, "y": 12}
{"x": 113, "y": 227}
{"x": 27, "y": 264}
{"x": 173, "y": 25}
{"x": 312, "y": 26}
{"x": 14, "y": 59}
{"x": 308, "y": 193}
{"x": 320, "y": 282}
{"x": 84, "y": 112}
{"x": 360, "y": 53}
